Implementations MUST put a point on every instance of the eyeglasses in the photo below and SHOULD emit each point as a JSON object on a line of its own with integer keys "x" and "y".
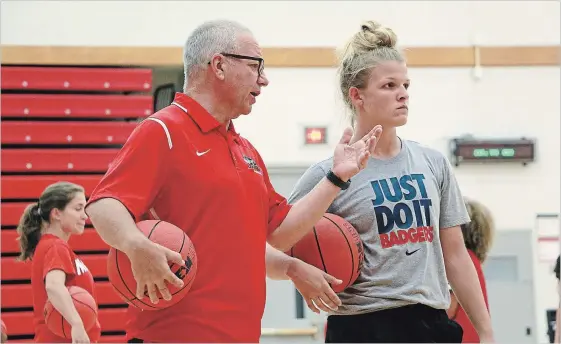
{"x": 252, "y": 58}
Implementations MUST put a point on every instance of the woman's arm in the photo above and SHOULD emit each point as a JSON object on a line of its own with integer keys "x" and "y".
{"x": 60, "y": 297}
{"x": 463, "y": 279}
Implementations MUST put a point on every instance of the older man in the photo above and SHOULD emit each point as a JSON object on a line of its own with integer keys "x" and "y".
{"x": 187, "y": 165}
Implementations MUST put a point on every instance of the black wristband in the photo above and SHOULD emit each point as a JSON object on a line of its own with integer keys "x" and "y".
{"x": 332, "y": 177}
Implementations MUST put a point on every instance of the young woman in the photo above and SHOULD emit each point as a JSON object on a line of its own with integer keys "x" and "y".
{"x": 44, "y": 230}
{"x": 407, "y": 208}
{"x": 478, "y": 238}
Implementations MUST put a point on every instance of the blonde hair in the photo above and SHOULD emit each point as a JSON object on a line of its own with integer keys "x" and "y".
{"x": 372, "y": 44}
{"x": 56, "y": 195}
{"x": 479, "y": 233}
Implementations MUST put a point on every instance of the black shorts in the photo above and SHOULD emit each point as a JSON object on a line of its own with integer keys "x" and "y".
{"x": 409, "y": 324}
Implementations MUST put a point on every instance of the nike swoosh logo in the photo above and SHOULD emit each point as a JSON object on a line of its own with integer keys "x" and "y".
{"x": 407, "y": 253}
{"x": 203, "y": 153}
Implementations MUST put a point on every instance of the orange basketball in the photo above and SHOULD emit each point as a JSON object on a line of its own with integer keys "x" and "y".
{"x": 333, "y": 246}
{"x": 85, "y": 305}
{"x": 168, "y": 235}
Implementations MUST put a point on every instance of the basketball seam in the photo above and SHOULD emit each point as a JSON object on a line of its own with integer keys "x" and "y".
{"x": 350, "y": 250}
{"x": 183, "y": 243}
{"x": 152, "y": 230}
{"x": 319, "y": 250}
{"x": 85, "y": 304}
{"x": 48, "y": 316}
{"x": 62, "y": 325}
{"x": 123, "y": 295}
{"x": 125, "y": 284}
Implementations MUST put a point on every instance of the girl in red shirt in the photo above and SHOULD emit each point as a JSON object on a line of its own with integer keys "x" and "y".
{"x": 478, "y": 238}
{"x": 44, "y": 230}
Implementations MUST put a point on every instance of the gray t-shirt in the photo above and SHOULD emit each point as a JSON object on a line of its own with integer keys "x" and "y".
{"x": 398, "y": 207}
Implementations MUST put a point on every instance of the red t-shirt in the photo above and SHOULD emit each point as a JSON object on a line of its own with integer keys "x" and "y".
{"x": 53, "y": 253}
{"x": 183, "y": 167}
{"x": 470, "y": 335}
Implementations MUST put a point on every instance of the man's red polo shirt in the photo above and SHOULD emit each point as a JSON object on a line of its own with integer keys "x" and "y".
{"x": 183, "y": 167}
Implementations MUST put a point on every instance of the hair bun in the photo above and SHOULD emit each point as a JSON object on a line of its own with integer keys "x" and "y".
{"x": 374, "y": 35}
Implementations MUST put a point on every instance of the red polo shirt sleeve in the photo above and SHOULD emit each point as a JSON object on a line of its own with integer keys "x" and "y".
{"x": 58, "y": 257}
{"x": 278, "y": 204}
{"x": 138, "y": 171}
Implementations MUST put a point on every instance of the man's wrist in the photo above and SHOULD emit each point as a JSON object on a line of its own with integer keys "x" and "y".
{"x": 341, "y": 182}
{"x": 340, "y": 174}
{"x": 292, "y": 267}
{"x": 132, "y": 243}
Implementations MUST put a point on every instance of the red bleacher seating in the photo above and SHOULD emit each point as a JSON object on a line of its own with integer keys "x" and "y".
{"x": 76, "y": 79}
{"x": 57, "y": 159}
{"x": 48, "y": 137}
{"x": 35, "y": 132}
{"x": 75, "y": 105}
{"x": 89, "y": 241}
{"x": 28, "y": 187}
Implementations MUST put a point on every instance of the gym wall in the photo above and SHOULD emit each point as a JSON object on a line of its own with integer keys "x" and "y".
{"x": 513, "y": 93}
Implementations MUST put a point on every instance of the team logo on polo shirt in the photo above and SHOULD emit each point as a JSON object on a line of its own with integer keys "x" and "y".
{"x": 252, "y": 164}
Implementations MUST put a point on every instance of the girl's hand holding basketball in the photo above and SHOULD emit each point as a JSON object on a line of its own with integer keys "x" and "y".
{"x": 150, "y": 267}
{"x": 314, "y": 286}
{"x": 348, "y": 159}
{"x": 79, "y": 334}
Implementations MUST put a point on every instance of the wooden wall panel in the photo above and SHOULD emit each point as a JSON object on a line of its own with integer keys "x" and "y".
{"x": 279, "y": 57}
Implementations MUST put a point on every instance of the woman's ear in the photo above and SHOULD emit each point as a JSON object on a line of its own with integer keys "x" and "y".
{"x": 356, "y": 97}
{"x": 56, "y": 214}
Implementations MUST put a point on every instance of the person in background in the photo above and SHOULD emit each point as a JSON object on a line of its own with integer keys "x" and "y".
{"x": 44, "y": 230}
{"x": 478, "y": 238}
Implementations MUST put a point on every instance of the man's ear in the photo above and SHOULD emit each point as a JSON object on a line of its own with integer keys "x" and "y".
{"x": 217, "y": 66}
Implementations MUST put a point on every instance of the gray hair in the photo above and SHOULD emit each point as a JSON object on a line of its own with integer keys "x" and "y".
{"x": 209, "y": 38}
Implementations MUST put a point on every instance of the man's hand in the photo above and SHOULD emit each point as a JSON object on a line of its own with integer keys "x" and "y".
{"x": 348, "y": 160}
{"x": 314, "y": 286}
{"x": 150, "y": 267}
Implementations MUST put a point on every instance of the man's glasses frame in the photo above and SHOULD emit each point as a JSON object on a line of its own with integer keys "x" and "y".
{"x": 251, "y": 58}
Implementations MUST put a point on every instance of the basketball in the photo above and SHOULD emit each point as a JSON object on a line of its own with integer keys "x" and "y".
{"x": 333, "y": 246}
{"x": 120, "y": 274}
{"x": 85, "y": 305}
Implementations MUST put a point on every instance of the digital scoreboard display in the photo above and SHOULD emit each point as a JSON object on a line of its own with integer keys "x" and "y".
{"x": 468, "y": 150}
